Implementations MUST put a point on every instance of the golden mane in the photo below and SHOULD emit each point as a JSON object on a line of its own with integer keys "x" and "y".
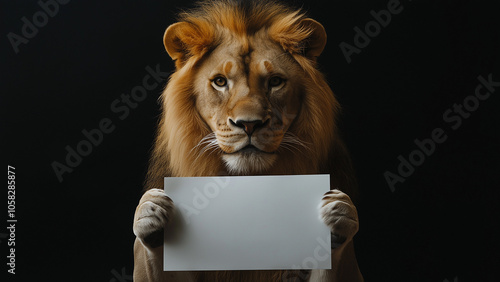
{"x": 181, "y": 127}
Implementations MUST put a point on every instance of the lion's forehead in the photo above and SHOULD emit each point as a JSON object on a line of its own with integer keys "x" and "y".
{"x": 249, "y": 55}
{"x": 232, "y": 67}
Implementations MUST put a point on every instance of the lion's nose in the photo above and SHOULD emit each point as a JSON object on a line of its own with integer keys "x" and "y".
{"x": 248, "y": 126}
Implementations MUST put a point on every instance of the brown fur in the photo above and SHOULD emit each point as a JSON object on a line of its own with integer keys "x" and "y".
{"x": 181, "y": 126}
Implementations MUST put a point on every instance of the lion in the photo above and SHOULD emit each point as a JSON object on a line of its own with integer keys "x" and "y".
{"x": 247, "y": 98}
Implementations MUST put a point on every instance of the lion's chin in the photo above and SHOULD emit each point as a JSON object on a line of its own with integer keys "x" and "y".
{"x": 244, "y": 163}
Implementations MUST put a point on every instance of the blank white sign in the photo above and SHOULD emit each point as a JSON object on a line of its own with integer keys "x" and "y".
{"x": 247, "y": 223}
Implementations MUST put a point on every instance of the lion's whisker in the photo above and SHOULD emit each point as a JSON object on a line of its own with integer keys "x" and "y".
{"x": 208, "y": 143}
{"x": 289, "y": 148}
{"x": 209, "y": 138}
{"x": 292, "y": 143}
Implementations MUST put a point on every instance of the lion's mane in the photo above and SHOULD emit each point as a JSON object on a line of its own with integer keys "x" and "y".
{"x": 181, "y": 127}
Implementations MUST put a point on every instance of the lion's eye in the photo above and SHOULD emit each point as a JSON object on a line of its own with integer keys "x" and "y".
{"x": 275, "y": 81}
{"x": 220, "y": 81}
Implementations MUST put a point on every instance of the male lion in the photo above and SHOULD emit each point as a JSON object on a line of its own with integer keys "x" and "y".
{"x": 247, "y": 99}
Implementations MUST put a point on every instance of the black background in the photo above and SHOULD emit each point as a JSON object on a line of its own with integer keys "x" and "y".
{"x": 441, "y": 223}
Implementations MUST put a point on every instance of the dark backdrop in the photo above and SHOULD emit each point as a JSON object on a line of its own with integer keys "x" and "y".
{"x": 440, "y": 223}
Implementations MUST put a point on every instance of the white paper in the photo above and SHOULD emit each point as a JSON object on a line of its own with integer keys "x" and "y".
{"x": 247, "y": 223}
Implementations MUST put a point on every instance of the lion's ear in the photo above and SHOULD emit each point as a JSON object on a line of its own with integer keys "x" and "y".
{"x": 183, "y": 40}
{"x": 316, "y": 41}
{"x": 304, "y": 37}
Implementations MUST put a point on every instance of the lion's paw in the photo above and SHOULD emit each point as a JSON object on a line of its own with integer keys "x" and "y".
{"x": 154, "y": 211}
{"x": 339, "y": 213}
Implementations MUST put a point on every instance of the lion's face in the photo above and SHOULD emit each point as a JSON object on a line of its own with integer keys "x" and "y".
{"x": 246, "y": 96}
{"x": 248, "y": 92}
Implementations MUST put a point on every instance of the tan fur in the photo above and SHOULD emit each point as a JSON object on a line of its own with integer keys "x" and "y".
{"x": 243, "y": 45}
